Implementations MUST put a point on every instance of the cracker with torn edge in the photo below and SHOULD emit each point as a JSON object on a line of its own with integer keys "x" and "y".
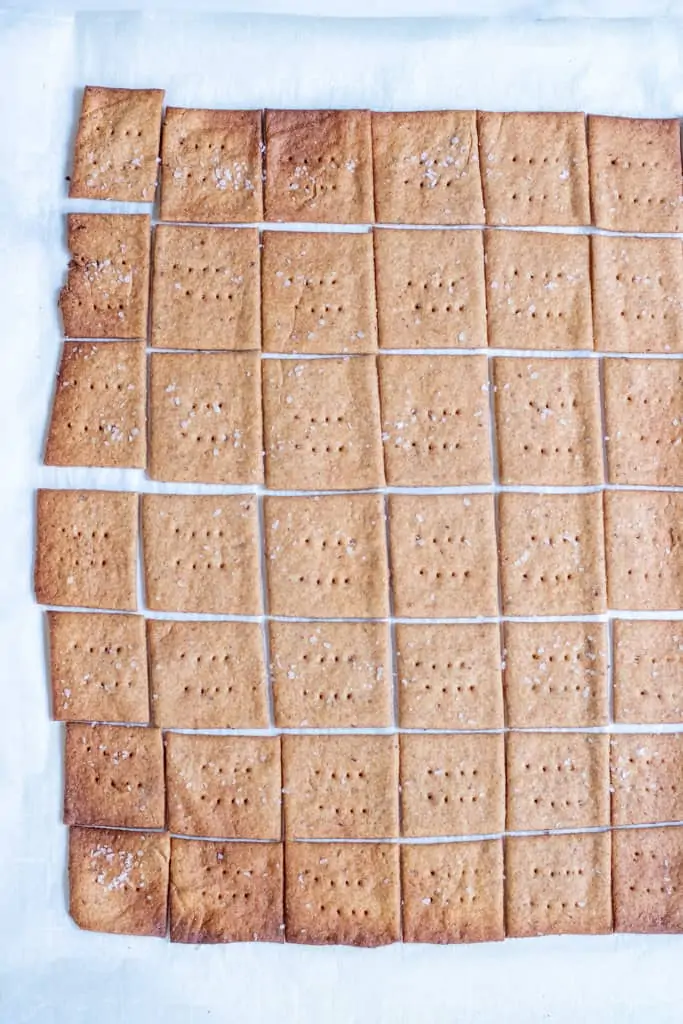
{"x": 644, "y": 545}
{"x": 647, "y": 880}
{"x": 646, "y": 771}
{"x": 647, "y": 667}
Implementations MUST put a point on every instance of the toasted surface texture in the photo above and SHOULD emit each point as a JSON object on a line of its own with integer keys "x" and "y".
{"x": 647, "y": 671}
{"x": 647, "y": 876}
{"x": 646, "y": 773}
{"x": 643, "y": 532}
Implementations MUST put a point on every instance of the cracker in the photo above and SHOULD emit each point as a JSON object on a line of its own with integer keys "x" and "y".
{"x": 86, "y": 550}
{"x": 98, "y": 667}
{"x": 435, "y": 420}
{"x": 319, "y": 166}
{"x": 551, "y": 554}
{"x": 224, "y": 786}
{"x": 340, "y": 787}
{"x": 98, "y": 413}
{"x": 207, "y": 675}
{"x": 318, "y": 292}
{"x": 555, "y": 674}
{"x": 558, "y": 885}
{"x": 637, "y": 288}
{"x": 534, "y": 168}
{"x": 647, "y": 669}
{"x": 443, "y": 555}
{"x": 538, "y": 290}
{"x": 452, "y": 892}
{"x": 449, "y": 676}
{"x": 211, "y": 166}
{"x": 113, "y": 775}
{"x": 548, "y": 423}
{"x": 342, "y": 893}
{"x": 646, "y": 773}
{"x": 205, "y": 417}
{"x": 644, "y": 421}
{"x": 201, "y": 553}
{"x": 117, "y": 144}
{"x": 226, "y": 892}
{"x": 647, "y": 878}
{"x": 118, "y": 881}
{"x": 321, "y": 424}
{"x": 430, "y": 289}
{"x": 105, "y": 295}
{"x": 205, "y": 289}
{"x": 644, "y": 543}
{"x": 635, "y": 173}
{"x": 426, "y": 167}
{"x": 333, "y": 675}
{"x": 326, "y": 557}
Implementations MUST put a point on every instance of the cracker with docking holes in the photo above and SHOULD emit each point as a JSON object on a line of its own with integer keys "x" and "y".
{"x": 644, "y": 543}
{"x": 647, "y": 666}
{"x": 647, "y": 879}
{"x": 646, "y": 771}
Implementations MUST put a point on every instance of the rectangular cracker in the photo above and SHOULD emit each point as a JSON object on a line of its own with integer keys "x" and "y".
{"x": 226, "y": 892}
{"x": 430, "y": 289}
{"x": 326, "y": 557}
{"x": 435, "y": 420}
{"x": 443, "y": 555}
{"x": 644, "y": 544}
{"x": 647, "y": 880}
{"x": 558, "y": 885}
{"x": 646, "y": 772}
{"x": 201, "y": 553}
{"x": 340, "y": 787}
{"x": 205, "y": 288}
{"x": 113, "y": 775}
{"x": 117, "y": 144}
{"x": 98, "y": 667}
{"x": 205, "y": 417}
{"x": 106, "y": 291}
{"x": 318, "y": 292}
{"x": 452, "y": 892}
{"x": 207, "y": 675}
{"x": 86, "y": 550}
{"x": 223, "y": 786}
{"x": 342, "y": 893}
{"x": 426, "y": 166}
{"x": 118, "y": 881}
{"x": 647, "y": 671}
{"x": 333, "y": 675}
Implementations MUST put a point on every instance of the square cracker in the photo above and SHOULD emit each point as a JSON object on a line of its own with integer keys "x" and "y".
{"x": 647, "y": 668}
{"x": 558, "y": 885}
{"x": 426, "y": 167}
{"x": 326, "y": 557}
{"x": 449, "y": 676}
{"x": 538, "y": 291}
{"x": 98, "y": 412}
{"x": 644, "y": 542}
{"x": 644, "y": 421}
{"x": 205, "y": 288}
{"x": 106, "y": 291}
{"x": 205, "y": 417}
{"x": 435, "y": 420}
{"x": 534, "y": 168}
{"x": 86, "y": 550}
{"x": 98, "y": 667}
{"x": 555, "y": 674}
{"x": 646, "y": 772}
{"x": 637, "y": 286}
{"x": 452, "y": 784}
{"x": 443, "y": 555}
{"x": 211, "y": 166}
{"x": 118, "y": 881}
{"x": 117, "y": 144}
{"x": 340, "y": 787}
{"x": 207, "y": 675}
{"x": 551, "y": 554}
{"x": 342, "y": 893}
{"x": 201, "y": 553}
{"x": 430, "y": 289}
{"x": 548, "y": 422}
{"x": 557, "y": 780}
{"x": 226, "y": 892}
{"x": 332, "y": 675}
{"x": 113, "y": 775}
{"x": 647, "y": 880}
{"x": 452, "y": 892}
{"x": 635, "y": 173}
{"x": 319, "y": 166}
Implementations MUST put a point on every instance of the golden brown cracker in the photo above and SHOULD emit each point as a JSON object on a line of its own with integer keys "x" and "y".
{"x": 646, "y": 772}
{"x": 644, "y": 550}
{"x": 647, "y": 669}
{"x": 647, "y": 880}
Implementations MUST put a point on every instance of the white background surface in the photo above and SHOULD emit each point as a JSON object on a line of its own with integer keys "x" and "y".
{"x": 49, "y": 970}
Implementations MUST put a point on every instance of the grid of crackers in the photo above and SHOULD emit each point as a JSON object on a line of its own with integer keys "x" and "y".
{"x": 412, "y": 668}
